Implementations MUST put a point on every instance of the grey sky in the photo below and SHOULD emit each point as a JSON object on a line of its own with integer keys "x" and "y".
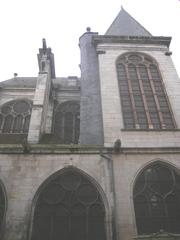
{"x": 25, "y": 22}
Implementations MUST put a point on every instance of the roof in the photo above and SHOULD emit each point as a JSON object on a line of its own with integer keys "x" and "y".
{"x": 125, "y": 25}
{"x": 30, "y": 82}
{"x": 20, "y": 82}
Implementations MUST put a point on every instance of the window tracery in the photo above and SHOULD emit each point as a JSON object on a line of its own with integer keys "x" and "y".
{"x": 67, "y": 122}
{"x": 15, "y": 116}
{"x": 157, "y": 200}
{"x": 69, "y": 207}
{"x": 143, "y": 99}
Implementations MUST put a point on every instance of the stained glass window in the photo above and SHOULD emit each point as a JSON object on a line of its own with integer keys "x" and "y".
{"x": 15, "y": 116}
{"x": 143, "y": 99}
{"x": 157, "y": 200}
{"x": 66, "y": 122}
{"x": 69, "y": 207}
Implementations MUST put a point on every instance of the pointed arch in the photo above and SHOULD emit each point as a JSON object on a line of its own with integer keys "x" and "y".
{"x": 15, "y": 116}
{"x": 69, "y": 204}
{"x": 66, "y": 122}
{"x": 144, "y": 101}
{"x": 3, "y": 208}
{"x": 156, "y": 197}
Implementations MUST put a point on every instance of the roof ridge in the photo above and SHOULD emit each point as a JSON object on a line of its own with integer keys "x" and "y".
{"x": 136, "y": 21}
{"x": 114, "y": 20}
{"x": 133, "y": 26}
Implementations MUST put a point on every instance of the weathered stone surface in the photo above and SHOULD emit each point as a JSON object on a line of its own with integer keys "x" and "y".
{"x": 91, "y": 127}
{"x": 25, "y": 166}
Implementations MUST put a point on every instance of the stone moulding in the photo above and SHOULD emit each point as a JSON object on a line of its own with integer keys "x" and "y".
{"x": 79, "y": 149}
{"x": 162, "y": 235}
{"x": 100, "y": 39}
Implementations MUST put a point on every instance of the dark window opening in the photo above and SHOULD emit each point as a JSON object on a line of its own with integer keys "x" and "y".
{"x": 69, "y": 208}
{"x": 67, "y": 122}
{"x": 15, "y": 117}
{"x": 157, "y": 200}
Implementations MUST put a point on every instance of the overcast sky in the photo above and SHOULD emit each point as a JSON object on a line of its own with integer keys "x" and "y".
{"x": 23, "y": 24}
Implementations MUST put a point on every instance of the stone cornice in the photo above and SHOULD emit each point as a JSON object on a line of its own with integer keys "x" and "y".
{"x": 101, "y": 39}
{"x": 80, "y": 149}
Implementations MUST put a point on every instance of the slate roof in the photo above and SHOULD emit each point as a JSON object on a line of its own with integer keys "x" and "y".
{"x": 125, "y": 25}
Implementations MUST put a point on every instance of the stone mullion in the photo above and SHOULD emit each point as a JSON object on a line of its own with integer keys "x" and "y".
{"x": 132, "y": 98}
{"x": 155, "y": 98}
{"x": 53, "y": 121}
{"x": 2, "y": 124}
{"x": 12, "y": 123}
{"x": 63, "y": 126}
{"x": 22, "y": 124}
{"x": 73, "y": 125}
{"x": 25, "y": 122}
{"x": 144, "y": 98}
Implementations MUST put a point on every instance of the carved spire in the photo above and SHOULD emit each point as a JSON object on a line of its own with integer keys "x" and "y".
{"x": 46, "y": 57}
{"x": 44, "y": 44}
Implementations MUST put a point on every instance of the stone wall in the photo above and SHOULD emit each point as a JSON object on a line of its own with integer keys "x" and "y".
{"x": 111, "y": 107}
{"x": 23, "y": 174}
{"x": 113, "y": 175}
{"x": 127, "y": 166}
{"x": 91, "y": 127}
{"x": 11, "y": 94}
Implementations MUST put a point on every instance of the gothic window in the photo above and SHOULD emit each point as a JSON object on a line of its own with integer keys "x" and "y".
{"x": 15, "y": 116}
{"x": 69, "y": 207}
{"x": 66, "y": 122}
{"x": 143, "y": 99}
{"x": 2, "y": 208}
{"x": 157, "y": 200}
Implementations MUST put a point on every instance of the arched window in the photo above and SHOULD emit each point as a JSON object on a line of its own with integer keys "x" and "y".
{"x": 66, "y": 122}
{"x": 2, "y": 209}
{"x": 157, "y": 200}
{"x": 143, "y": 99}
{"x": 69, "y": 207}
{"x": 15, "y": 116}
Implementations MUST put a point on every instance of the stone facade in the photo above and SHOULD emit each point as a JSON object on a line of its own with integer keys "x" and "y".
{"x": 108, "y": 155}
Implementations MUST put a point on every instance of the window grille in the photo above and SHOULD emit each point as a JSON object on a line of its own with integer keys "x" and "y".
{"x": 69, "y": 207}
{"x": 15, "y": 116}
{"x": 66, "y": 122}
{"x": 157, "y": 200}
{"x": 143, "y": 99}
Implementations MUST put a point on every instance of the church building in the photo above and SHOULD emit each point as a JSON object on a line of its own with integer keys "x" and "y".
{"x": 95, "y": 157}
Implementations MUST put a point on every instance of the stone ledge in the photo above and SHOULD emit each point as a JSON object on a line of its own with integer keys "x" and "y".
{"x": 150, "y": 130}
{"x": 80, "y": 149}
{"x": 162, "y": 235}
{"x": 100, "y": 39}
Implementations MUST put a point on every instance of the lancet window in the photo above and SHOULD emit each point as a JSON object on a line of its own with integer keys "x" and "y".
{"x": 157, "y": 200}
{"x": 143, "y": 99}
{"x": 69, "y": 207}
{"x": 67, "y": 122}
